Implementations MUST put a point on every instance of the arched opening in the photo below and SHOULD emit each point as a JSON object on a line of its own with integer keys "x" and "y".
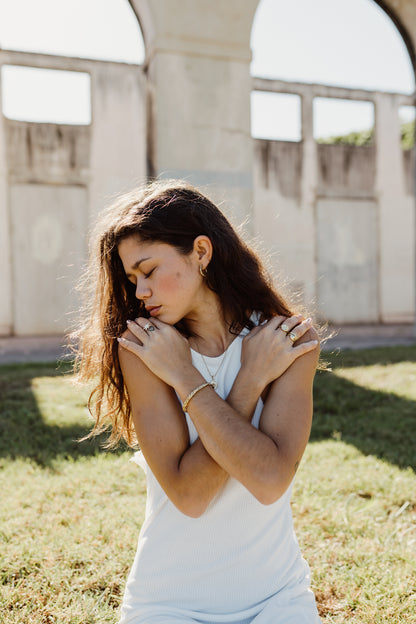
{"x": 326, "y": 202}
{"x": 64, "y": 29}
{"x": 46, "y": 95}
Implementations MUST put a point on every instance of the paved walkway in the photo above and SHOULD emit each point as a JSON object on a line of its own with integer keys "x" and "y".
{"x": 368, "y": 336}
{"x": 49, "y": 348}
{"x": 17, "y": 349}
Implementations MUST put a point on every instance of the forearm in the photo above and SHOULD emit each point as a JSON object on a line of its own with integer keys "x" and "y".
{"x": 241, "y": 450}
{"x": 228, "y": 437}
{"x": 208, "y": 477}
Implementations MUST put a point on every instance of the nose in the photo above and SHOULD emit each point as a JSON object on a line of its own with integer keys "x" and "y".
{"x": 142, "y": 290}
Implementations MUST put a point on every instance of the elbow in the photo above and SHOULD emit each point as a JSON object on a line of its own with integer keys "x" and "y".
{"x": 268, "y": 497}
{"x": 191, "y": 507}
{"x": 271, "y": 489}
{"x": 193, "y": 513}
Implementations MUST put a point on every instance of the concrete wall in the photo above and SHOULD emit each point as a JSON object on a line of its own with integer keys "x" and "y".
{"x": 54, "y": 178}
{"x": 340, "y": 219}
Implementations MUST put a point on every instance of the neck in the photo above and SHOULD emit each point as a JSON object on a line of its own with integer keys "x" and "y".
{"x": 210, "y": 330}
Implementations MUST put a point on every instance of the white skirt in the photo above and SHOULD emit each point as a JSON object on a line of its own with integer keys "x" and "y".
{"x": 292, "y": 608}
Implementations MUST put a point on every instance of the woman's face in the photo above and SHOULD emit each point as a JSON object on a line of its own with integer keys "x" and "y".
{"x": 168, "y": 282}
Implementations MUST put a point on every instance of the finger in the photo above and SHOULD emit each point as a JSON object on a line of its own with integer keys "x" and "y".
{"x": 291, "y": 322}
{"x": 305, "y": 347}
{"x": 275, "y": 322}
{"x": 301, "y": 329}
{"x": 136, "y": 329}
{"x": 129, "y": 345}
{"x": 128, "y": 335}
{"x": 157, "y": 323}
{"x": 270, "y": 325}
{"x": 146, "y": 324}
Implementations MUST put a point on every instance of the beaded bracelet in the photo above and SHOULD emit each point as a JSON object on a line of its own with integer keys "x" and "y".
{"x": 193, "y": 393}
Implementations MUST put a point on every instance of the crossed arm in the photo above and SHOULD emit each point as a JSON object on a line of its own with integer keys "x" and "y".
{"x": 264, "y": 460}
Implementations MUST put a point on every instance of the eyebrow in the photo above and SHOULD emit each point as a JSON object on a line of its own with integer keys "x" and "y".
{"x": 138, "y": 263}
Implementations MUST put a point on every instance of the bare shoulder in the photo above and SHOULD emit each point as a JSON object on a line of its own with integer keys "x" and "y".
{"x": 144, "y": 388}
{"x": 301, "y": 373}
{"x": 130, "y": 363}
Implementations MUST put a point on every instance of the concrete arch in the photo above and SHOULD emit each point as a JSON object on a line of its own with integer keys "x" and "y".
{"x": 196, "y": 27}
{"x": 382, "y": 7}
{"x": 397, "y": 17}
{"x": 142, "y": 11}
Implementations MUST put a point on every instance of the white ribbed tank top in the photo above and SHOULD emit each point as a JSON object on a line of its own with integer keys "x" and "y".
{"x": 228, "y": 565}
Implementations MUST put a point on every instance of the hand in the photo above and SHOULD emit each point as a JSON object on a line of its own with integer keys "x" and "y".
{"x": 268, "y": 351}
{"x": 164, "y": 350}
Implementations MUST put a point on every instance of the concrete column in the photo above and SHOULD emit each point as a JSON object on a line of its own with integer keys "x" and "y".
{"x": 118, "y": 132}
{"x": 6, "y": 322}
{"x": 308, "y": 192}
{"x": 396, "y": 216}
{"x": 198, "y": 57}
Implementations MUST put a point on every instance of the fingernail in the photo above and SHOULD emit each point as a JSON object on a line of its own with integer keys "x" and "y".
{"x": 128, "y": 321}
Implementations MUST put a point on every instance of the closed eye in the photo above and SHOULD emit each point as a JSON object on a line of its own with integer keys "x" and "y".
{"x": 146, "y": 275}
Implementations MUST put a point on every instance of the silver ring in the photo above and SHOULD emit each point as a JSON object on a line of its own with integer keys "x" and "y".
{"x": 149, "y": 327}
{"x": 285, "y": 328}
{"x": 293, "y": 337}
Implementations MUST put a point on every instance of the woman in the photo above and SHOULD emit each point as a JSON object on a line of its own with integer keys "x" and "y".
{"x": 204, "y": 364}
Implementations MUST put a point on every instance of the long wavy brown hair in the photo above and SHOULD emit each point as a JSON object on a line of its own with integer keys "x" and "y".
{"x": 174, "y": 213}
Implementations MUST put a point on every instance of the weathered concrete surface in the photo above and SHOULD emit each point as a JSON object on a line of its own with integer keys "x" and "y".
{"x": 396, "y": 217}
{"x": 340, "y": 220}
{"x": 49, "y": 226}
{"x": 47, "y": 153}
{"x": 345, "y": 170}
{"x": 347, "y": 244}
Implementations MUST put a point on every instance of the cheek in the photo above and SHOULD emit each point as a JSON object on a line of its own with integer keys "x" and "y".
{"x": 171, "y": 283}
{"x": 176, "y": 282}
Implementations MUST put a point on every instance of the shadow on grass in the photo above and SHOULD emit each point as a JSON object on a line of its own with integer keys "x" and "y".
{"x": 23, "y": 430}
{"x": 377, "y": 423}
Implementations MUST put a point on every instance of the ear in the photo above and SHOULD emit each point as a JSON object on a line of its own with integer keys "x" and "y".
{"x": 202, "y": 250}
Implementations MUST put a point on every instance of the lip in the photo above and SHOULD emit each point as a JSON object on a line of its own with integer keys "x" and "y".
{"x": 153, "y": 310}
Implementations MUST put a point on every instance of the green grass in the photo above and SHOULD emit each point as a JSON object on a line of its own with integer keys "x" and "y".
{"x": 70, "y": 513}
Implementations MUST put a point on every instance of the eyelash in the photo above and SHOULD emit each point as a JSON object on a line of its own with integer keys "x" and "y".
{"x": 148, "y": 274}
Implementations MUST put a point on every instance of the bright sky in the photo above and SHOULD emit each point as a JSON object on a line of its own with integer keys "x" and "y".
{"x": 338, "y": 42}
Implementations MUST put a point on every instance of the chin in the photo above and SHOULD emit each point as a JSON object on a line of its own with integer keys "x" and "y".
{"x": 170, "y": 319}
{"x": 165, "y": 318}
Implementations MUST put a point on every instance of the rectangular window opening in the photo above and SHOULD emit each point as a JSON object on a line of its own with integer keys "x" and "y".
{"x": 349, "y": 122}
{"x": 275, "y": 116}
{"x": 46, "y": 95}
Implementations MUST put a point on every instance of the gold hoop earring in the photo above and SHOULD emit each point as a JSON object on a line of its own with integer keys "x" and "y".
{"x": 202, "y": 271}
